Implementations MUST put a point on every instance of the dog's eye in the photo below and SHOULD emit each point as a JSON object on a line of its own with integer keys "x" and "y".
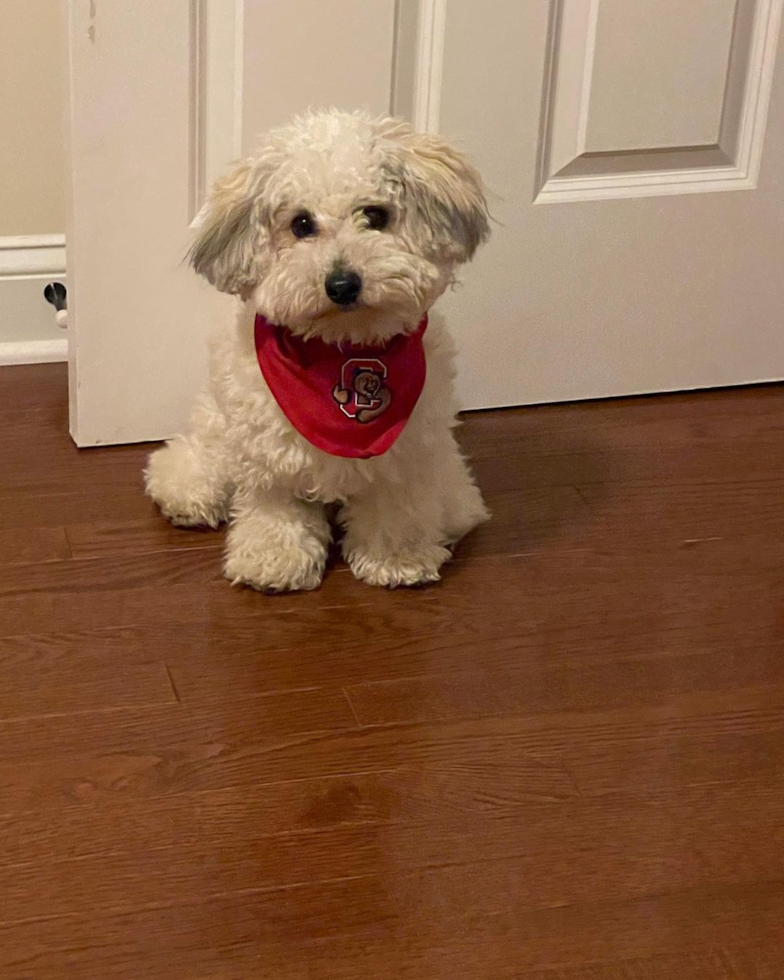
{"x": 376, "y": 217}
{"x": 303, "y": 225}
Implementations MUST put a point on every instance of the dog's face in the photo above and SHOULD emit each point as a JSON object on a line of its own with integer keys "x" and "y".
{"x": 342, "y": 226}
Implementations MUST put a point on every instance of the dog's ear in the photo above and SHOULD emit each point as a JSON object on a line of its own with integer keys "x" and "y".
{"x": 230, "y": 230}
{"x": 443, "y": 189}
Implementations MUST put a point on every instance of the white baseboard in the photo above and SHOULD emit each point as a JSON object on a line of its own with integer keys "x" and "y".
{"x": 34, "y": 351}
{"x": 28, "y": 332}
{"x": 24, "y": 313}
{"x": 31, "y": 255}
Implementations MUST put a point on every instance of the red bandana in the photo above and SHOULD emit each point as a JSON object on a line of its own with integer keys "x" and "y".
{"x": 348, "y": 400}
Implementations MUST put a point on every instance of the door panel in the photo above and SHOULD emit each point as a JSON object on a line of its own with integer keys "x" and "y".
{"x": 659, "y": 74}
{"x": 654, "y": 124}
{"x": 632, "y": 109}
{"x": 326, "y": 54}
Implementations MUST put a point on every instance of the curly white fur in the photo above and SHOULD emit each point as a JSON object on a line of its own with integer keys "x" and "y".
{"x": 243, "y": 461}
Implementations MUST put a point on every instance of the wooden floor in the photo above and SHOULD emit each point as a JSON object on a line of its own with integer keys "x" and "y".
{"x": 564, "y": 762}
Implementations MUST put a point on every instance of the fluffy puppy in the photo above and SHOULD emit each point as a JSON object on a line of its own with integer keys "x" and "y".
{"x": 337, "y": 236}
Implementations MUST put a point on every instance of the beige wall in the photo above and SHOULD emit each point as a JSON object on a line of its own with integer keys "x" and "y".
{"x": 32, "y": 97}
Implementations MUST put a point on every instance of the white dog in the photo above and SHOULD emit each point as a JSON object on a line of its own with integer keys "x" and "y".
{"x": 338, "y": 236}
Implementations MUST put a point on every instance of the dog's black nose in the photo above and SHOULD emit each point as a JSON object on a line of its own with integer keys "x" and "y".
{"x": 343, "y": 287}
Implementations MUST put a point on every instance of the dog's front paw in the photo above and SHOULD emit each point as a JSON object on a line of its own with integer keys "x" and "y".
{"x": 274, "y": 569}
{"x": 193, "y": 513}
{"x": 411, "y": 566}
{"x": 188, "y": 488}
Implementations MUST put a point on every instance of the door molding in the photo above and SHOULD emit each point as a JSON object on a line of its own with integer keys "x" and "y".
{"x": 216, "y": 101}
{"x": 420, "y": 41}
{"x": 429, "y": 67}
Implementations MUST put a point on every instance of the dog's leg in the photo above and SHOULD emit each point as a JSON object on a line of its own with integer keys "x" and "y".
{"x": 463, "y": 506}
{"x": 393, "y": 534}
{"x": 276, "y": 543}
{"x": 187, "y": 477}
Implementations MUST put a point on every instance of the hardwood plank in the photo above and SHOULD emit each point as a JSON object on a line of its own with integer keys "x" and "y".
{"x": 243, "y": 658}
{"x": 673, "y": 440}
{"x": 724, "y": 510}
{"x": 632, "y": 767}
{"x": 762, "y": 962}
{"x": 520, "y": 471}
{"x": 101, "y": 539}
{"x": 211, "y": 869}
{"x": 538, "y": 687}
{"x": 202, "y": 731}
{"x": 60, "y": 464}
{"x": 616, "y": 849}
{"x": 145, "y": 753}
{"x": 35, "y": 545}
{"x": 58, "y": 689}
{"x": 660, "y": 466}
{"x": 559, "y": 938}
{"x": 114, "y": 574}
{"x": 107, "y": 826}
{"x": 351, "y": 930}
{"x": 112, "y": 883}
{"x": 84, "y": 778}
{"x": 28, "y": 387}
{"x": 100, "y": 503}
{"x": 718, "y": 964}
{"x": 693, "y": 420}
{"x": 527, "y": 521}
{"x": 453, "y": 801}
{"x": 536, "y": 856}
{"x": 687, "y": 418}
{"x": 224, "y": 939}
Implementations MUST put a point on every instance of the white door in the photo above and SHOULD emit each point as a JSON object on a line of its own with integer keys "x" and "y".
{"x": 607, "y": 130}
{"x": 164, "y": 94}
